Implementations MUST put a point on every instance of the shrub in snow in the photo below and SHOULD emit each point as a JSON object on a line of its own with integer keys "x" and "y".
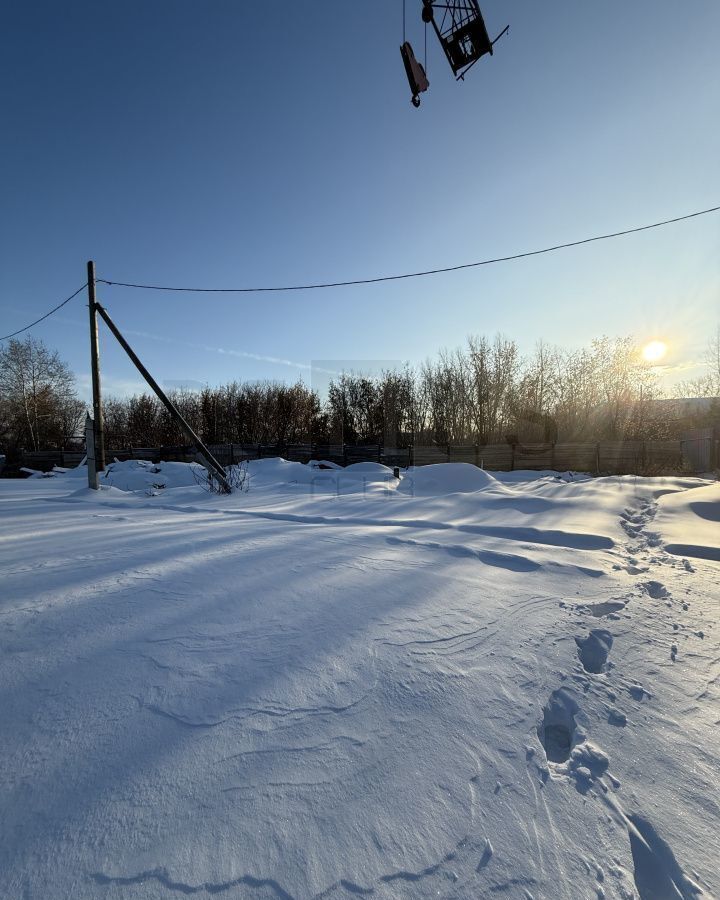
{"x": 236, "y": 476}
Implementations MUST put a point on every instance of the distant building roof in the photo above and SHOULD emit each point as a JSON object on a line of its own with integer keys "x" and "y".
{"x": 689, "y": 404}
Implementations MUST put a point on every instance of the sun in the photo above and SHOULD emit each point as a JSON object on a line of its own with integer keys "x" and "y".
{"x": 654, "y": 351}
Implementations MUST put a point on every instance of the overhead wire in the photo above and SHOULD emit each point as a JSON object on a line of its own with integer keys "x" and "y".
{"x": 361, "y": 281}
{"x": 46, "y": 316}
{"x": 406, "y": 275}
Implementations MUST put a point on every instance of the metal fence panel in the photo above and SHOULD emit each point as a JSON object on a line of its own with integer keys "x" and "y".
{"x": 697, "y": 452}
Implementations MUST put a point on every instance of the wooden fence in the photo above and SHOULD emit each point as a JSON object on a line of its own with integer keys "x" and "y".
{"x": 701, "y": 448}
{"x": 600, "y": 458}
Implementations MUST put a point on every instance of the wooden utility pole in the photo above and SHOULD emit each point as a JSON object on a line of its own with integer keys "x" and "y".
{"x": 98, "y": 426}
{"x": 90, "y": 452}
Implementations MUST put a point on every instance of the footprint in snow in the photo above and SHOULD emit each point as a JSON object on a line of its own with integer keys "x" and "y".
{"x": 655, "y": 589}
{"x": 604, "y": 608}
{"x": 594, "y": 650}
{"x": 566, "y": 746}
{"x": 617, "y": 718}
{"x": 658, "y": 875}
{"x": 558, "y": 729}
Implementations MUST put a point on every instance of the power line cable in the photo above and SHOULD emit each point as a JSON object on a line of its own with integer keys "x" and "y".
{"x": 471, "y": 265}
{"x": 360, "y": 281}
{"x": 46, "y": 316}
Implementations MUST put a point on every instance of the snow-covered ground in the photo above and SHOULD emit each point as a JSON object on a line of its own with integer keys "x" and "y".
{"x": 458, "y": 685}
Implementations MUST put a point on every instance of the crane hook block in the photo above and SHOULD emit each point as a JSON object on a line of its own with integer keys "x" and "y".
{"x": 415, "y": 73}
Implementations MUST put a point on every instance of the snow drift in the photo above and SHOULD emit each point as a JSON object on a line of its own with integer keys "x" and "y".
{"x": 445, "y": 478}
{"x": 498, "y": 686}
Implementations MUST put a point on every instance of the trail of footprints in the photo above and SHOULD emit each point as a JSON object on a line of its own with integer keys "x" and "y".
{"x": 562, "y": 731}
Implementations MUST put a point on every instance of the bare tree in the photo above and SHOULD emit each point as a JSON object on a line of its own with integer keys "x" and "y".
{"x": 37, "y": 396}
{"x": 494, "y": 371}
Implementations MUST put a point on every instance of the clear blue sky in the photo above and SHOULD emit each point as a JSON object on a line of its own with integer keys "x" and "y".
{"x": 231, "y": 143}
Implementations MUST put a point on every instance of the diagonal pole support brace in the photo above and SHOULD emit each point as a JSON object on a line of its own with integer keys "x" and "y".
{"x": 215, "y": 470}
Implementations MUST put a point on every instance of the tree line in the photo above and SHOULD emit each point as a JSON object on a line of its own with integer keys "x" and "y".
{"x": 484, "y": 392}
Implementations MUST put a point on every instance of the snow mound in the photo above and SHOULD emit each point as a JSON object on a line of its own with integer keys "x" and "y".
{"x": 323, "y": 464}
{"x": 688, "y": 521}
{"x": 141, "y": 475}
{"x": 368, "y": 468}
{"x": 445, "y": 478}
{"x": 521, "y": 476}
{"x": 278, "y": 471}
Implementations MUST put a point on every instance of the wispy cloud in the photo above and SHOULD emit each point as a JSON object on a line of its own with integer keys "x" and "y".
{"x": 183, "y": 384}
{"x": 679, "y": 368}
{"x": 227, "y": 351}
{"x": 118, "y": 387}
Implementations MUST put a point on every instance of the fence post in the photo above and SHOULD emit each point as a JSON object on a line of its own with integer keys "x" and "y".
{"x": 477, "y": 455}
{"x": 597, "y": 458}
{"x": 512, "y": 457}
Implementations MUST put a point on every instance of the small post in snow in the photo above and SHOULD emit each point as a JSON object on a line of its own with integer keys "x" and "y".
{"x": 90, "y": 452}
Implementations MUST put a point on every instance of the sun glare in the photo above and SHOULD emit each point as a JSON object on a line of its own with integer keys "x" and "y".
{"x": 654, "y": 351}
